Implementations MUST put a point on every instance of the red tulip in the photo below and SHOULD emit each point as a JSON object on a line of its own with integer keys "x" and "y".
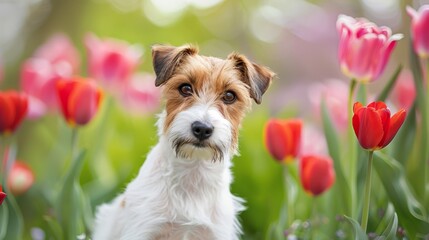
{"x": 13, "y": 109}
{"x": 20, "y": 178}
{"x": 373, "y": 125}
{"x": 283, "y": 138}
{"x": 419, "y": 30}
{"x": 79, "y": 100}
{"x": 317, "y": 174}
{"x": 364, "y": 48}
{"x": 2, "y": 195}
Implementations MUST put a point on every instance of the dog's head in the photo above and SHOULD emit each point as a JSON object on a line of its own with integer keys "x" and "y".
{"x": 206, "y": 99}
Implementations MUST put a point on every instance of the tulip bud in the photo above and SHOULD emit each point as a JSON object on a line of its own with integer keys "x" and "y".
{"x": 317, "y": 174}
{"x": 13, "y": 109}
{"x": 283, "y": 138}
{"x": 79, "y": 100}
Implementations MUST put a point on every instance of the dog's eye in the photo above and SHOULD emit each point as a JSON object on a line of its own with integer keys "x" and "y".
{"x": 185, "y": 90}
{"x": 229, "y": 97}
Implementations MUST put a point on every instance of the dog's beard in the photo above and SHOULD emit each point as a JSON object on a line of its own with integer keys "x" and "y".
{"x": 188, "y": 148}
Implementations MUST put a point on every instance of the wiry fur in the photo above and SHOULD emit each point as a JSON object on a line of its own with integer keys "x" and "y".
{"x": 182, "y": 189}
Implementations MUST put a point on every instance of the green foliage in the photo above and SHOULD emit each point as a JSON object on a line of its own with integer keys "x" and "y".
{"x": 359, "y": 234}
{"x": 68, "y": 206}
{"x": 412, "y": 215}
{"x": 13, "y": 218}
{"x": 341, "y": 183}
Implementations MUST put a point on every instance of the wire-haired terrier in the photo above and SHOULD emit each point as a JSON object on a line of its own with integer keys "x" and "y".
{"x": 182, "y": 189}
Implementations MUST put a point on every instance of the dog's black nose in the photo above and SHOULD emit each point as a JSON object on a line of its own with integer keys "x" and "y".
{"x": 202, "y": 131}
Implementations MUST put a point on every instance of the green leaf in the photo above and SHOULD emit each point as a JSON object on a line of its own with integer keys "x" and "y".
{"x": 410, "y": 211}
{"x": 86, "y": 210}
{"x": 333, "y": 147}
{"x": 423, "y": 153}
{"x": 4, "y": 215}
{"x": 359, "y": 234}
{"x": 15, "y": 223}
{"x": 390, "y": 232}
{"x": 69, "y": 200}
{"x": 387, "y": 217}
{"x": 54, "y": 228}
{"x": 402, "y": 144}
{"x": 389, "y": 86}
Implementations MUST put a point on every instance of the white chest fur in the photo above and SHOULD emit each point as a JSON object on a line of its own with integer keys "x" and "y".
{"x": 177, "y": 199}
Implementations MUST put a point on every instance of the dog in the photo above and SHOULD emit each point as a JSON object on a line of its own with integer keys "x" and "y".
{"x": 182, "y": 191}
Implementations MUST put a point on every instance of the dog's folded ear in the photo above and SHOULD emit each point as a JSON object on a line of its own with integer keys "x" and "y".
{"x": 167, "y": 58}
{"x": 257, "y": 77}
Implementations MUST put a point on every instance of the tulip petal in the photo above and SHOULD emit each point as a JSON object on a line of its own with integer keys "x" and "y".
{"x": 378, "y": 105}
{"x": 83, "y": 103}
{"x": 368, "y": 127}
{"x": 357, "y": 106}
{"x": 13, "y": 109}
{"x": 276, "y": 139}
{"x": 385, "y": 120}
{"x": 2, "y": 196}
{"x": 293, "y": 128}
{"x": 395, "y": 123}
{"x": 21, "y": 109}
{"x": 317, "y": 174}
{"x": 64, "y": 89}
{"x": 7, "y": 112}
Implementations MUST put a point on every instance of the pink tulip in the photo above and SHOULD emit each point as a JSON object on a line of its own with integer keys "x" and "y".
{"x": 313, "y": 141}
{"x": 364, "y": 48}
{"x": 111, "y": 61}
{"x": 419, "y": 30}
{"x": 335, "y": 95}
{"x": 404, "y": 92}
{"x": 140, "y": 95}
{"x": 58, "y": 50}
{"x": 55, "y": 59}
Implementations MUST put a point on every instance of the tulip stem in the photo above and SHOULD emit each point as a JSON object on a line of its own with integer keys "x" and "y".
{"x": 74, "y": 141}
{"x": 426, "y": 153}
{"x": 365, "y": 210}
{"x": 288, "y": 198}
{"x": 353, "y": 151}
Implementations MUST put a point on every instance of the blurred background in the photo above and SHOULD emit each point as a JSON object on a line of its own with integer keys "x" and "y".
{"x": 297, "y": 39}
